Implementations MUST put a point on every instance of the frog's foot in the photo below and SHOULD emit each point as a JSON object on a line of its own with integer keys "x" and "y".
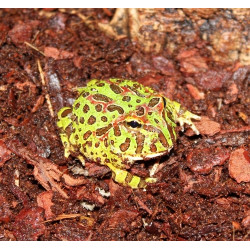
{"x": 186, "y": 118}
{"x": 154, "y": 168}
{"x": 79, "y": 170}
{"x": 76, "y": 170}
{"x": 125, "y": 178}
{"x": 150, "y": 180}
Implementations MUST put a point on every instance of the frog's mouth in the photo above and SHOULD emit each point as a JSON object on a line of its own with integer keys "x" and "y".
{"x": 147, "y": 157}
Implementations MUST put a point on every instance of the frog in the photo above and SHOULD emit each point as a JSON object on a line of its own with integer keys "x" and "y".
{"x": 117, "y": 122}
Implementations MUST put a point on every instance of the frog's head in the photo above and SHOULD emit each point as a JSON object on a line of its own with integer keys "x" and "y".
{"x": 145, "y": 132}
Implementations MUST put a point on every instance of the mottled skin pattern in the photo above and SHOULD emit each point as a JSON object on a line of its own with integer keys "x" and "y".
{"x": 116, "y": 122}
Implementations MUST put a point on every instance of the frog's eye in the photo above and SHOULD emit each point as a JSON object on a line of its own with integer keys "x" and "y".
{"x": 134, "y": 124}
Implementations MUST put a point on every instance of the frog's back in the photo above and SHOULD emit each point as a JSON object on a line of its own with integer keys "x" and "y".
{"x": 122, "y": 92}
{"x": 101, "y": 103}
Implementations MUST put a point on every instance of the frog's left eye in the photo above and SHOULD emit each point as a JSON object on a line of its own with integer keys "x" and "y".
{"x": 134, "y": 124}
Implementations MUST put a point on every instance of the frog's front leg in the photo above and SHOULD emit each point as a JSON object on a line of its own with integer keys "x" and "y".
{"x": 181, "y": 115}
{"x": 125, "y": 178}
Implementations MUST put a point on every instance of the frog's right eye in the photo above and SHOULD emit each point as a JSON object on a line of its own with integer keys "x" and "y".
{"x": 134, "y": 124}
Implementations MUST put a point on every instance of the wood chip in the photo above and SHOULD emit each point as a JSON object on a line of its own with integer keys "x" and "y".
{"x": 207, "y": 126}
{"x": 239, "y": 165}
{"x": 195, "y": 93}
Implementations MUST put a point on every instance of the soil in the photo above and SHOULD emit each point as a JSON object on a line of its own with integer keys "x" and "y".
{"x": 197, "y": 57}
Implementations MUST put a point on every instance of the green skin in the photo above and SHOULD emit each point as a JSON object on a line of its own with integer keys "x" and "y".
{"x": 117, "y": 122}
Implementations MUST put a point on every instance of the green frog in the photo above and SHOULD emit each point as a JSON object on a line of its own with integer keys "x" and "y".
{"x": 116, "y": 122}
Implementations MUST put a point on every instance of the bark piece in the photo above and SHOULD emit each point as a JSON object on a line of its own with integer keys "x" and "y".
{"x": 239, "y": 165}
{"x": 44, "y": 200}
{"x": 207, "y": 126}
{"x": 5, "y": 153}
{"x": 28, "y": 224}
{"x": 195, "y": 93}
{"x": 45, "y": 171}
{"x": 203, "y": 160}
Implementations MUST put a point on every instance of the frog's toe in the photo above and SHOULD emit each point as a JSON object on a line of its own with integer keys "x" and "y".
{"x": 181, "y": 122}
{"x": 150, "y": 180}
{"x": 193, "y": 127}
{"x": 193, "y": 116}
{"x": 82, "y": 160}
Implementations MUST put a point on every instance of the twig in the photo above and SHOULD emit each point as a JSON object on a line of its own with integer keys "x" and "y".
{"x": 243, "y": 129}
{"x": 86, "y": 20}
{"x": 70, "y": 216}
{"x": 35, "y": 48}
{"x": 44, "y": 84}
